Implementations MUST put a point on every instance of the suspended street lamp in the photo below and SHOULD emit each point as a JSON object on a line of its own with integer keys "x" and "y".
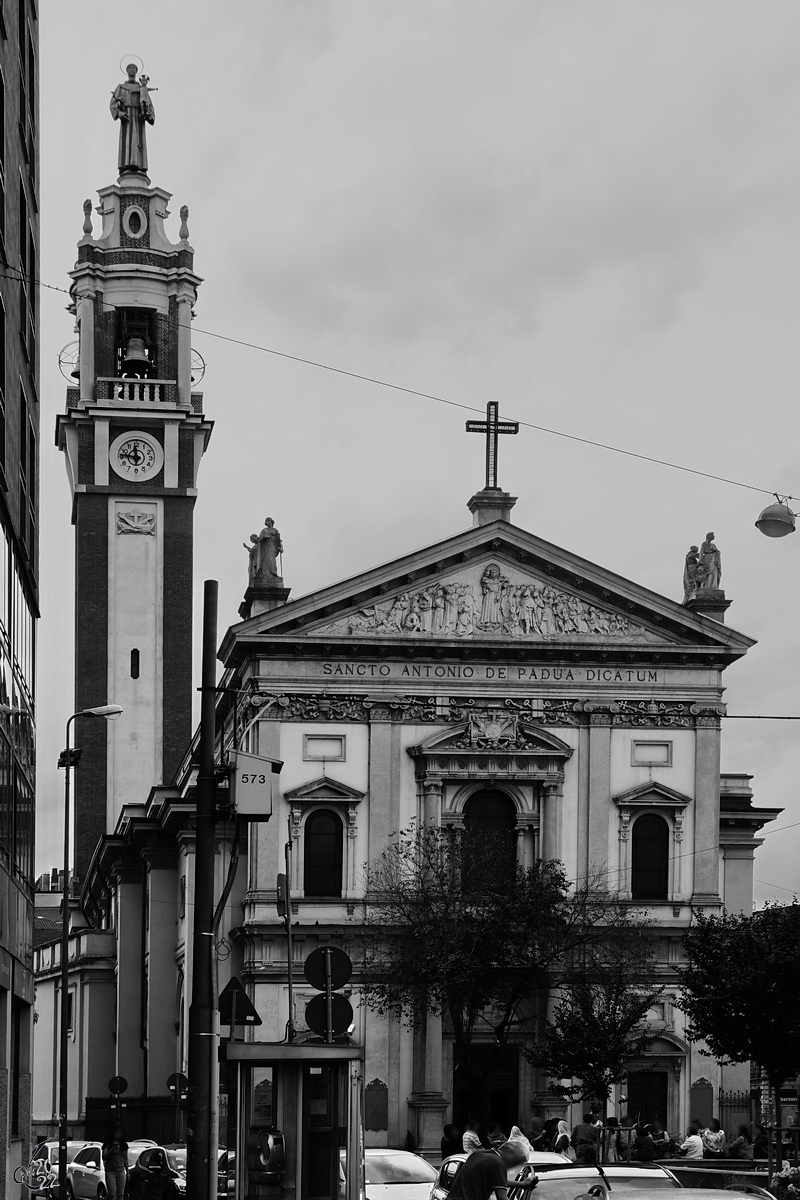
{"x": 777, "y": 519}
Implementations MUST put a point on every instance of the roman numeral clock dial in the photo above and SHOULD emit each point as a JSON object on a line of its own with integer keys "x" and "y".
{"x": 136, "y": 456}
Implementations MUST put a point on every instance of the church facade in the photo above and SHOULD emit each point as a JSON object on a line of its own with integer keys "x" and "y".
{"x": 494, "y": 674}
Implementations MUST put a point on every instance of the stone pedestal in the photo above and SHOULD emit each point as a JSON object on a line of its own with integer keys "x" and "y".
{"x": 261, "y": 598}
{"x": 491, "y": 504}
{"x": 710, "y": 602}
{"x": 428, "y": 1103}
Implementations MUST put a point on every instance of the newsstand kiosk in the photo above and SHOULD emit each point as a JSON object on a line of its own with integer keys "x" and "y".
{"x": 298, "y": 1119}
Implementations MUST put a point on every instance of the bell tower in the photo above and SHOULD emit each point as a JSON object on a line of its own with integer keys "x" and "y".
{"x": 133, "y": 435}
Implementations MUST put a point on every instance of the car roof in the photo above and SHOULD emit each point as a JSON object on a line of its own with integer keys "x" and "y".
{"x": 612, "y": 1170}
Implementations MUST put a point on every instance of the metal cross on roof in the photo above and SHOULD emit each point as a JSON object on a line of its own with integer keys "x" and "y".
{"x": 491, "y": 427}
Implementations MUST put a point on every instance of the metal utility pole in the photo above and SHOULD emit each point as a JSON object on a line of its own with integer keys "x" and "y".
{"x": 201, "y": 1010}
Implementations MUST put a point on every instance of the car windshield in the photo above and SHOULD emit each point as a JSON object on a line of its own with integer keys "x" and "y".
{"x": 398, "y": 1168}
{"x": 556, "y": 1187}
{"x": 177, "y": 1159}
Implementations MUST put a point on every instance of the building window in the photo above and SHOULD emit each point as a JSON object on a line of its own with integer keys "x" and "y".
{"x": 322, "y": 854}
{"x": 490, "y": 841}
{"x": 650, "y": 869}
{"x": 318, "y": 748}
{"x": 651, "y": 754}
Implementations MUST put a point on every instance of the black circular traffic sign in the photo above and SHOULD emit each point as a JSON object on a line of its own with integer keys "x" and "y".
{"x": 316, "y": 968}
{"x": 177, "y": 1083}
{"x": 118, "y": 1085}
{"x": 341, "y": 1015}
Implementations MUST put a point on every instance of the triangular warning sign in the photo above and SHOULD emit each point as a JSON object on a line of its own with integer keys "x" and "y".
{"x": 242, "y": 1013}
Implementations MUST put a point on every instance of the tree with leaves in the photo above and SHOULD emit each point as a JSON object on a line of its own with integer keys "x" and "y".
{"x": 740, "y": 988}
{"x": 462, "y": 930}
{"x": 599, "y": 1022}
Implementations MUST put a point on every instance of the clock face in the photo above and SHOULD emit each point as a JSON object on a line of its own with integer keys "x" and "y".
{"x": 136, "y": 456}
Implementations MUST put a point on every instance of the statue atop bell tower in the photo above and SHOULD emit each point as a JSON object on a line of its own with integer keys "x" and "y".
{"x": 132, "y": 107}
{"x": 133, "y": 434}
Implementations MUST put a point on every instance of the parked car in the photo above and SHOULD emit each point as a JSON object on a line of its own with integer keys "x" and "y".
{"x": 142, "y": 1164}
{"x": 226, "y": 1173}
{"x": 598, "y": 1191}
{"x": 47, "y": 1155}
{"x": 538, "y": 1160}
{"x": 86, "y": 1178}
{"x": 567, "y": 1182}
{"x": 392, "y": 1175}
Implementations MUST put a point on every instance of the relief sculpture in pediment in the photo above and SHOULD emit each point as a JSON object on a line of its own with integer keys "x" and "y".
{"x": 492, "y": 604}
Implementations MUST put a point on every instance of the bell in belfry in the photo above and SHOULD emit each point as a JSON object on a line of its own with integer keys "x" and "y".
{"x": 135, "y": 361}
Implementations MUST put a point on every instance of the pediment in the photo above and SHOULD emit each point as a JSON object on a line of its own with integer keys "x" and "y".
{"x": 492, "y": 586}
{"x": 324, "y": 789}
{"x": 492, "y": 731}
{"x": 651, "y": 793}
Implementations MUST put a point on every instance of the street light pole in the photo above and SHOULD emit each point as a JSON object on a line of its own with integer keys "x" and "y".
{"x": 110, "y": 711}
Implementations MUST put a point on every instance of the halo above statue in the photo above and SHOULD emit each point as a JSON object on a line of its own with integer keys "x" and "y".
{"x": 130, "y": 58}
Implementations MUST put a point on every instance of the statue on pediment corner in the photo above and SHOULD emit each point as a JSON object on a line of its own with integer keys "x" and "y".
{"x": 693, "y": 573}
{"x": 263, "y": 551}
{"x": 711, "y": 560}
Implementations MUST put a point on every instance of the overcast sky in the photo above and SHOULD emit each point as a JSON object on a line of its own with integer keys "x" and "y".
{"x": 587, "y": 211}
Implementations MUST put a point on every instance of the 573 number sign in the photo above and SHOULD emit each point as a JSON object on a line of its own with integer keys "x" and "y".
{"x": 252, "y": 785}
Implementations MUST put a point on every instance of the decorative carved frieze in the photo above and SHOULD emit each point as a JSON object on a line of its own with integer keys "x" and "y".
{"x": 495, "y": 720}
{"x": 487, "y": 602}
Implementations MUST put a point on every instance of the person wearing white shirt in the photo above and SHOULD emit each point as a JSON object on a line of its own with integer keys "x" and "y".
{"x": 693, "y": 1146}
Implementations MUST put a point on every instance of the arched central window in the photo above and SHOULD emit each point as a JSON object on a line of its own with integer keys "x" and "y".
{"x": 322, "y": 860}
{"x": 489, "y": 825}
{"x": 650, "y": 865}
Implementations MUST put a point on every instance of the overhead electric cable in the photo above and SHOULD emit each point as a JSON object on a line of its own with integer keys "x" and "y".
{"x": 20, "y": 276}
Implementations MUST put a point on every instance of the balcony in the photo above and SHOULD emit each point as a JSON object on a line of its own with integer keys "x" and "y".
{"x": 137, "y": 391}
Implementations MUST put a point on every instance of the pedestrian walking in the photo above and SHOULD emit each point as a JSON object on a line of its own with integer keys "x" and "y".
{"x": 562, "y": 1142}
{"x": 517, "y": 1139}
{"x": 486, "y": 1172}
{"x": 114, "y": 1153}
{"x": 537, "y": 1137}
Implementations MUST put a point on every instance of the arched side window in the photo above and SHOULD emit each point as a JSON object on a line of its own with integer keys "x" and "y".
{"x": 322, "y": 854}
{"x": 650, "y": 858}
{"x": 490, "y": 827}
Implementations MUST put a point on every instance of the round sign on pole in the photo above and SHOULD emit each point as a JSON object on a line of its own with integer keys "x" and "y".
{"x": 178, "y": 1083}
{"x": 118, "y": 1085}
{"x": 341, "y": 1015}
{"x": 316, "y": 969}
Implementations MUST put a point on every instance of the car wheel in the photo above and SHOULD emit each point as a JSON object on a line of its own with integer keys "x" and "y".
{"x": 101, "y": 1192}
{"x": 70, "y": 1193}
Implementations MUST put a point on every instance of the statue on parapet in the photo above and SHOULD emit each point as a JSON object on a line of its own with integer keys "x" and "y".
{"x": 132, "y": 106}
{"x": 264, "y": 549}
{"x": 712, "y": 564}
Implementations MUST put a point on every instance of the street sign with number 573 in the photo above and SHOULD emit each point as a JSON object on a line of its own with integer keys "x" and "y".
{"x": 252, "y": 783}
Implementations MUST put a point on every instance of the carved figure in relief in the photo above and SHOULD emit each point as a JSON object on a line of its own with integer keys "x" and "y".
{"x": 712, "y": 564}
{"x": 264, "y": 550}
{"x": 518, "y": 610}
{"x": 136, "y": 521}
{"x": 132, "y": 107}
{"x": 492, "y": 587}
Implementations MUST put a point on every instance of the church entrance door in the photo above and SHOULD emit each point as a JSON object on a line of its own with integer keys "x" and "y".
{"x": 487, "y": 1086}
{"x": 647, "y": 1095}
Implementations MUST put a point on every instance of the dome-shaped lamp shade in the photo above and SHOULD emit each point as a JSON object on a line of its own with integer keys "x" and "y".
{"x": 776, "y": 520}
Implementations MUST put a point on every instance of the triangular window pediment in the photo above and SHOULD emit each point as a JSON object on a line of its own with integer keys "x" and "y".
{"x": 324, "y": 790}
{"x": 656, "y": 795}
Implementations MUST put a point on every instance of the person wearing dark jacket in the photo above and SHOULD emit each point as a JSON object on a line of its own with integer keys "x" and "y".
{"x": 644, "y": 1148}
{"x": 114, "y": 1153}
{"x": 485, "y": 1172}
{"x": 451, "y": 1141}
